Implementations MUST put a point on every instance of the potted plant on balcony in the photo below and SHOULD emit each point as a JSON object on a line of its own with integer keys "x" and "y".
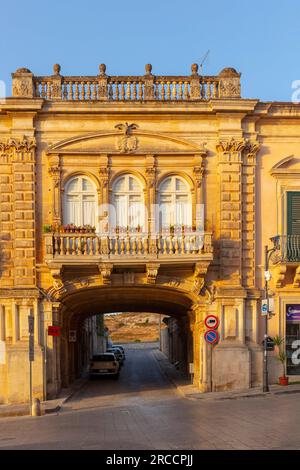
{"x": 47, "y": 228}
{"x": 282, "y": 357}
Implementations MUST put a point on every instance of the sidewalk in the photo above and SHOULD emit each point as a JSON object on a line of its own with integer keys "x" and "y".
{"x": 187, "y": 390}
{"x": 49, "y": 406}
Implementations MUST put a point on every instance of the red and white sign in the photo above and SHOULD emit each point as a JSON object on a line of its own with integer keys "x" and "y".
{"x": 211, "y": 322}
{"x": 53, "y": 330}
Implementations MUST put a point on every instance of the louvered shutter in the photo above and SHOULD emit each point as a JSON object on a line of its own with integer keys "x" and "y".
{"x": 293, "y": 200}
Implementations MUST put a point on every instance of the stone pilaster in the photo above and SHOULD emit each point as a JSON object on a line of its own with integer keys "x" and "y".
{"x": 230, "y": 173}
{"x": 150, "y": 194}
{"x": 54, "y": 172}
{"x": 248, "y": 208}
{"x": 18, "y": 211}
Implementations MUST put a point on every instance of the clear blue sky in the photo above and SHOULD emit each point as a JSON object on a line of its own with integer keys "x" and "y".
{"x": 260, "y": 38}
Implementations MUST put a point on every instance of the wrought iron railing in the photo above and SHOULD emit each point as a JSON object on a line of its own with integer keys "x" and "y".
{"x": 289, "y": 248}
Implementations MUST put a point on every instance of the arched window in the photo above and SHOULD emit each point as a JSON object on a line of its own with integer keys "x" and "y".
{"x": 175, "y": 206}
{"x": 128, "y": 201}
{"x": 80, "y": 202}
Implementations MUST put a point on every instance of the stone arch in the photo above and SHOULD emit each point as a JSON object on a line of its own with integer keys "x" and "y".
{"x": 181, "y": 174}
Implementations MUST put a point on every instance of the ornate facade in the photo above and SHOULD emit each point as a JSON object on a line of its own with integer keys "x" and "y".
{"x": 75, "y": 149}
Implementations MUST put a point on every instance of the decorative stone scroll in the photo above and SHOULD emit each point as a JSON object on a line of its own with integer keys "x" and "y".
{"x": 106, "y": 270}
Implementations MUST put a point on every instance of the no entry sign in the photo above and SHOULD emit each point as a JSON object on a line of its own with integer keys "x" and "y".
{"x": 211, "y": 336}
{"x": 211, "y": 322}
{"x": 53, "y": 330}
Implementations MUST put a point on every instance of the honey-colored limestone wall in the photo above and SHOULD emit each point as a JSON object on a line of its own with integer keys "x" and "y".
{"x": 233, "y": 154}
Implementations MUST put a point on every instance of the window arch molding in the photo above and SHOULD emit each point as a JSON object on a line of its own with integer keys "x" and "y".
{"x": 85, "y": 174}
{"x": 180, "y": 175}
{"x": 133, "y": 173}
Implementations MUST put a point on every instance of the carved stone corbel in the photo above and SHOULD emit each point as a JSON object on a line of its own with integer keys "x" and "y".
{"x": 106, "y": 270}
{"x": 296, "y": 282}
{"x": 200, "y": 271}
{"x": 57, "y": 273}
{"x": 280, "y": 275}
{"x": 152, "y": 272}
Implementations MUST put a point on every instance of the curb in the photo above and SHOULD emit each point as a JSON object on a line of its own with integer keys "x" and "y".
{"x": 23, "y": 410}
{"x": 204, "y": 396}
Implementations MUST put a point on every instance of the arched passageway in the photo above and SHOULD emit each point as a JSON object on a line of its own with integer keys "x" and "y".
{"x": 78, "y": 308}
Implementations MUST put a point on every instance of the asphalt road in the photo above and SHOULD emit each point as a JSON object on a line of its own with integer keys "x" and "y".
{"x": 143, "y": 411}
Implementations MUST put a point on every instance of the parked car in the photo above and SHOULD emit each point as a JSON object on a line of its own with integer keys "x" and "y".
{"x": 104, "y": 364}
{"x": 119, "y": 347}
{"x": 118, "y": 353}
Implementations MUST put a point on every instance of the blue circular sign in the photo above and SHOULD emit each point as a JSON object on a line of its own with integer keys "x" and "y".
{"x": 211, "y": 336}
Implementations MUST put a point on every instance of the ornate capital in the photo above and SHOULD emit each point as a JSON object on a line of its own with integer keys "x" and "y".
{"x": 198, "y": 172}
{"x": 104, "y": 173}
{"x": 151, "y": 175}
{"x": 231, "y": 145}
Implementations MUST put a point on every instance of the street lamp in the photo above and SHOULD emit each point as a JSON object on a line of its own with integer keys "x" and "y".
{"x": 268, "y": 254}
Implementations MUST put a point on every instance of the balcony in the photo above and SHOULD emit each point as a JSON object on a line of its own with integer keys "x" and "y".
{"x": 289, "y": 251}
{"x": 122, "y": 249}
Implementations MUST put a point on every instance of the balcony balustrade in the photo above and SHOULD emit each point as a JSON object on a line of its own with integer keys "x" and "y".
{"x": 126, "y": 88}
{"x": 90, "y": 246}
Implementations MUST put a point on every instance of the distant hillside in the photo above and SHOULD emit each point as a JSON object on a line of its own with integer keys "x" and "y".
{"x": 133, "y": 327}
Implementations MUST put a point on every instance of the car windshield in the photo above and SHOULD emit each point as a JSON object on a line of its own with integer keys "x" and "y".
{"x": 103, "y": 357}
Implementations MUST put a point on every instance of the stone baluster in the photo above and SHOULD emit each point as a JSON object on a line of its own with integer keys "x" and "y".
{"x": 48, "y": 90}
{"x": 186, "y": 90}
{"x": 180, "y": 91}
{"x": 76, "y": 91}
{"x": 128, "y": 91}
{"x": 174, "y": 91}
{"x": 168, "y": 91}
{"x": 162, "y": 91}
{"x": 70, "y": 91}
{"x": 82, "y": 91}
{"x": 140, "y": 91}
{"x": 94, "y": 91}
{"x": 134, "y": 91}
{"x": 122, "y": 92}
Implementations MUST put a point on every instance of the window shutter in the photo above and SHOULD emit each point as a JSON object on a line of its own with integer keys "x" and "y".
{"x": 293, "y": 213}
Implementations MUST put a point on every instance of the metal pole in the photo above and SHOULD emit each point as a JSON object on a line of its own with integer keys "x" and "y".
{"x": 45, "y": 363}
{"x": 30, "y": 386}
{"x": 265, "y": 357}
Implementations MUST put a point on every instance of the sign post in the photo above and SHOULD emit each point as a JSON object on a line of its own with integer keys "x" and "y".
{"x": 31, "y": 356}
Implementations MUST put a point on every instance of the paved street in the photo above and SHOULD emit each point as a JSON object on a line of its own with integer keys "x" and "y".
{"x": 143, "y": 411}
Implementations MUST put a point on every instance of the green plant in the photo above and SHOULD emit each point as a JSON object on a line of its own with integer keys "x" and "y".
{"x": 281, "y": 354}
{"x": 47, "y": 228}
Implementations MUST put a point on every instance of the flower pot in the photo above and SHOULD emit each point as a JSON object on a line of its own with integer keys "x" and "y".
{"x": 283, "y": 380}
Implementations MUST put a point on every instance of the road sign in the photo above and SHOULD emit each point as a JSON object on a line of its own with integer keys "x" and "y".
{"x": 72, "y": 336}
{"x": 211, "y": 322}
{"x": 211, "y": 336}
{"x": 53, "y": 330}
{"x": 264, "y": 306}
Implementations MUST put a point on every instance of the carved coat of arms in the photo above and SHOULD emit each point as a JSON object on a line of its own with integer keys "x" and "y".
{"x": 127, "y": 142}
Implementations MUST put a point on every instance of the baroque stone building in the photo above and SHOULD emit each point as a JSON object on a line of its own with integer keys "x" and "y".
{"x": 91, "y": 168}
